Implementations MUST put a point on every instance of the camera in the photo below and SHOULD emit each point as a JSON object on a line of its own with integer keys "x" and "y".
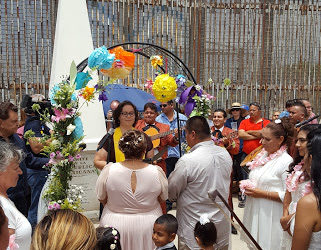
{"x": 28, "y": 101}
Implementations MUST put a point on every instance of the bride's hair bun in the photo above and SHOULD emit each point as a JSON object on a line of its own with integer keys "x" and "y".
{"x": 133, "y": 144}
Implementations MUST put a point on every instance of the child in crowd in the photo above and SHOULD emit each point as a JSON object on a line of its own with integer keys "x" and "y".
{"x": 205, "y": 233}
{"x": 108, "y": 238}
{"x": 164, "y": 232}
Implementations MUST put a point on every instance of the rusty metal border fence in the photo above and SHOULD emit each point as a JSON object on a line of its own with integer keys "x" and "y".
{"x": 270, "y": 49}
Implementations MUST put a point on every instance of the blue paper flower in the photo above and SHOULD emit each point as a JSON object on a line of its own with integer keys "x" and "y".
{"x": 100, "y": 58}
{"x": 74, "y": 97}
{"x": 53, "y": 92}
{"x": 79, "y": 130}
{"x": 82, "y": 79}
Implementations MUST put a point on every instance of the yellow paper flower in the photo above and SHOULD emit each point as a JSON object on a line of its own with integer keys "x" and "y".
{"x": 88, "y": 93}
{"x": 164, "y": 88}
{"x": 156, "y": 61}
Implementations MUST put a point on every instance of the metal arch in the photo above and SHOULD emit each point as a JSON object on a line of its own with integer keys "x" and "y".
{"x": 82, "y": 65}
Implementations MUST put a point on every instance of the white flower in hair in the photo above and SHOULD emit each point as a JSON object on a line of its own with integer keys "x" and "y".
{"x": 277, "y": 121}
{"x": 112, "y": 246}
{"x": 114, "y": 232}
{"x": 204, "y": 219}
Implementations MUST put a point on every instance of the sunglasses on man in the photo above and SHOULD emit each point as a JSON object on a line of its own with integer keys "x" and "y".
{"x": 163, "y": 105}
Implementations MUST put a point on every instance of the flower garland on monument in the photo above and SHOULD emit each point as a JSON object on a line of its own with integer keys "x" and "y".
{"x": 63, "y": 146}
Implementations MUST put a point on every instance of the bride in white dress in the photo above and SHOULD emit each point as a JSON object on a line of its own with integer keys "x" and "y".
{"x": 307, "y": 229}
{"x": 263, "y": 208}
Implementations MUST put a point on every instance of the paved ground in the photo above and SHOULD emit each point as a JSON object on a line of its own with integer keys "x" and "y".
{"x": 237, "y": 244}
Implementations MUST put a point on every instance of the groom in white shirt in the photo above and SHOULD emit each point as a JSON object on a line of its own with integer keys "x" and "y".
{"x": 205, "y": 168}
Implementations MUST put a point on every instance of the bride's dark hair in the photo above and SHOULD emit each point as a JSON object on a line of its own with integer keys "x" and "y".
{"x": 314, "y": 148}
{"x": 282, "y": 127}
{"x": 133, "y": 144}
{"x": 297, "y": 158}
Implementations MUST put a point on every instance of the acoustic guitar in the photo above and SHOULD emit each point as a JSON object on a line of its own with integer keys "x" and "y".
{"x": 250, "y": 157}
{"x": 155, "y": 136}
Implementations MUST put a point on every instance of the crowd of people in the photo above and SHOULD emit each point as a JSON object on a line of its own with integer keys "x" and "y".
{"x": 144, "y": 170}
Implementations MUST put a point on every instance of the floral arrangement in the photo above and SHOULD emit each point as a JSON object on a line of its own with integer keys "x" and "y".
{"x": 203, "y": 104}
{"x": 63, "y": 145}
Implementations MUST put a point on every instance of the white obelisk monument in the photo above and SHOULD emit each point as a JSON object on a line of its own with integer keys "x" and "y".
{"x": 73, "y": 42}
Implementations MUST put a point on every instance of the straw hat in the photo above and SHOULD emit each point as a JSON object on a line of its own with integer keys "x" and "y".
{"x": 236, "y": 105}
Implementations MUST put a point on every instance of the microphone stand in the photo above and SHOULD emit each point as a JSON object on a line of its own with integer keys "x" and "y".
{"x": 179, "y": 132}
{"x": 306, "y": 121}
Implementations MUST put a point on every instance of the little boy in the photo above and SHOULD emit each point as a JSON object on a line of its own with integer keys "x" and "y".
{"x": 164, "y": 232}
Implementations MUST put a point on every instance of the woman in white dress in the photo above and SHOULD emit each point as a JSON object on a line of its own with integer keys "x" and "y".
{"x": 131, "y": 192}
{"x": 298, "y": 184}
{"x": 265, "y": 194}
{"x": 18, "y": 224}
{"x": 307, "y": 229}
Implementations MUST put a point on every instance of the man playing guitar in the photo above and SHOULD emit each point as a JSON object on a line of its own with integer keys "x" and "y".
{"x": 151, "y": 127}
{"x": 227, "y": 138}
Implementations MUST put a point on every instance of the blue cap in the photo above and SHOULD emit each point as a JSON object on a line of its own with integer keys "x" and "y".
{"x": 284, "y": 114}
{"x": 243, "y": 106}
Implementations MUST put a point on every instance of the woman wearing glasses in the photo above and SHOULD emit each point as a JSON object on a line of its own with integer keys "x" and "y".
{"x": 125, "y": 117}
{"x": 131, "y": 192}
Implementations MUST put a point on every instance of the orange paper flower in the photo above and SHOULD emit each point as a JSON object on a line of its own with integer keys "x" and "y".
{"x": 156, "y": 61}
{"x": 88, "y": 93}
{"x": 127, "y": 57}
{"x": 117, "y": 73}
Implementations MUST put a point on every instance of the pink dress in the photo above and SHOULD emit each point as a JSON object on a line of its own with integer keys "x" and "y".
{"x": 133, "y": 214}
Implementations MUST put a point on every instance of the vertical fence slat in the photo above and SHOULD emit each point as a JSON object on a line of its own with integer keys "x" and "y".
{"x": 269, "y": 49}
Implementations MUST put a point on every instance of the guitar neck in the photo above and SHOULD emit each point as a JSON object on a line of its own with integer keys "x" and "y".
{"x": 154, "y": 137}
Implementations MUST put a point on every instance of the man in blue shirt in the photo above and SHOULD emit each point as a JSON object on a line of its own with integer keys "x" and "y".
{"x": 169, "y": 117}
{"x": 8, "y": 128}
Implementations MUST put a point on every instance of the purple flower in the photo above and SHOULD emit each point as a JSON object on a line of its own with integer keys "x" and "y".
{"x": 52, "y": 155}
{"x": 102, "y": 96}
{"x": 70, "y": 158}
{"x": 78, "y": 156}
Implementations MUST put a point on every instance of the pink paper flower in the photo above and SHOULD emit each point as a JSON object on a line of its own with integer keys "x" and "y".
{"x": 149, "y": 84}
{"x": 12, "y": 244}
{"x": 261, "y": 159}
{"x": 244, "y": 184}
{"x": 307, "y": 189}
{"x": 295, "y": 177}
